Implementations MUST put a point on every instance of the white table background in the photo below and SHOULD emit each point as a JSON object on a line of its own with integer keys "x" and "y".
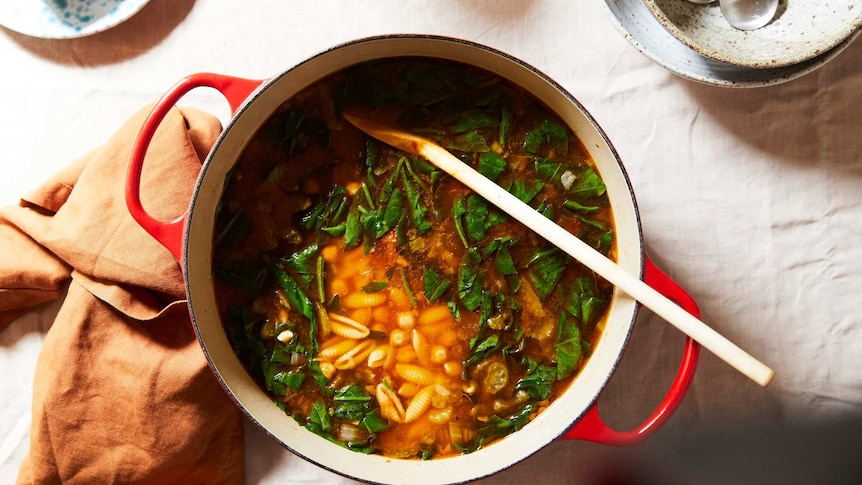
{"x": 750, "y": 198}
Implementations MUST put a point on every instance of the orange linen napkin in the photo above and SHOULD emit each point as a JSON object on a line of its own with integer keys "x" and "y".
{"x": 122, "y": 392}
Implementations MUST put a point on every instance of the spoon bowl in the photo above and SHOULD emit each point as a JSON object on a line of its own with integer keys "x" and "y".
{"x": 748, "y": 14}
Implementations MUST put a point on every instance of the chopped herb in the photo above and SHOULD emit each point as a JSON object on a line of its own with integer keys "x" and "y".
{"x": 418, "y": 207}
{"x": 370, "y": 157}
{"x": 318, "y": 376}
{"x": 294, "y": 379}
{"x": 407, "y": 288}
{"x": 242, "y": 332}
{"x": 351, "y": 402}
{"x": 326, "y": 212}
{"x": 394, "y": 209}
{"x": 244, "y": 276}
{"x": 491, "y": 165}
{"x": 389, "y": 186}
{"x": 303, "y": 263}
{"x": 470, "y": 142}
{"x": 550, "y": 170}
{"x": 546, "y": 269}
{"x": 375, "y": 286}
{"x": 459, "y": 208}
{"x": 589, "y": 222}
{"x": 582, "y": 301}
{"x": 538, "y": 382}
{"x": 603, "y": 242}
{"x": 234, "y": 230}
{"x": 572, "y": 205}
{"x": 321, "y": 280}
{"x": 548, "y": 136}
{"x": 588, "y": 185}
{"x": 435, "y": 285}
{"x": 374, "y": 422}
{"x": 525, "y": 192}
{"x": 503, "y": 261}
{"x": 482, "y": 349}
{"x": 319, "y": 421}
{"x": 476, "y": 217}
{"x": 470, "y": 280}
{"x": 300, "y": 302}
{"x": 409, "y": 163}
{"x": 474, "y": 119}
{"x": 568, "y": 347}
{"x": 353, "y": 227}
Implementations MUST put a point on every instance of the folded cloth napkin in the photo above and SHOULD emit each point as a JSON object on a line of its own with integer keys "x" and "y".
{"x": 122, "y": 392}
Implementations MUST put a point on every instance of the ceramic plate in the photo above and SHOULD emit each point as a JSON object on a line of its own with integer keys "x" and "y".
{"x": 634, "y": 21}
{"x": 801, "y": 30}
{"x": 65, "y": 19}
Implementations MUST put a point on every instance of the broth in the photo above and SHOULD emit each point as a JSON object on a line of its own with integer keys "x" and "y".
{"x": 381, "y": 303}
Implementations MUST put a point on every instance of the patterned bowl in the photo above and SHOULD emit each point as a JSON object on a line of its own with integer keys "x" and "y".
{"x": 801, "y": 30}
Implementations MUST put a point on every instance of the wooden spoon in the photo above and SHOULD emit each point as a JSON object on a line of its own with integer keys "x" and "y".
{"x": 589, "y": 257}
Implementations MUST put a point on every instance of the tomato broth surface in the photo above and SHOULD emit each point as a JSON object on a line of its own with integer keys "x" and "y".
{"x": 381, "y": 303}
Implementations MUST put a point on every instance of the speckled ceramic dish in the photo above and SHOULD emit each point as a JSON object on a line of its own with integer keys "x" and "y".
{"x": 635, "y": 23}
{"x": 65, "y": 19}
{"x": 801, "y": 30}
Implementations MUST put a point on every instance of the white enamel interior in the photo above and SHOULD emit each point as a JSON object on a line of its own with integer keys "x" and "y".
{"x": 259, "y": 407}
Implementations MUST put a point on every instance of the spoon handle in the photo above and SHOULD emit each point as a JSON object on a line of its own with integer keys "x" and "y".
{"x": 589, "y": 257}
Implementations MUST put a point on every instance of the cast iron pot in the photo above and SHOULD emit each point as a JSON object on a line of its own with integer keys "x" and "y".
{"x": 573, "y": 415}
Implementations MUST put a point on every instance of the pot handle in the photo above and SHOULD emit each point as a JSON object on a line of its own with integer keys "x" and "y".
{"x": 170, "y": 233}
{"x": 591, "y": 427}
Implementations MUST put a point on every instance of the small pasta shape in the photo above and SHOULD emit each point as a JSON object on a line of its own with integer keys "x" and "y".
{"x": 409, "y": 389}
{"x": 419, "y": 404}
{"x": 438, "y": 354}
{"x": 422, "y": 348}
{"x": 399, "y": 299}
{"x": 390, "y": 405}
{"x": 398, "y": 337}
{"x": 332, "y": 351}
{"x": 452, "y": 368}
{"x": 406, "y": 321}
{"x": 381, "y": 314}
{"x": 415, "y": 374}
{"x": 435, "y": 330}
{"x": 285, "y": 336}
{"x": 379, "y": 356}
{"x": 347, "y": 327}
{"x": 361, "y": 315}
{"x": 327, "y": 369}
{"x": 363, "y": 300}
{"x": 434, "y": 314}
{"x": 339, "y": 287}
{"x": 405, "y": 355}
{"x": 355, "y": 356}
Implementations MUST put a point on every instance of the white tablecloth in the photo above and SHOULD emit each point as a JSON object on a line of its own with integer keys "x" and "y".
{"x": 750, "y": 198}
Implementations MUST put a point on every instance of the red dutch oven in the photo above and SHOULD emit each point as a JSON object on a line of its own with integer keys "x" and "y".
{"x": 573, "y": 415}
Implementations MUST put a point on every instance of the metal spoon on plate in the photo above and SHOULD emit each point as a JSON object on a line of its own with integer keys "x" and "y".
{"x": 746, "y": 14}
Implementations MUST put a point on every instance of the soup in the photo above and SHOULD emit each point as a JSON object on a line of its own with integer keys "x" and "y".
{"x": 383, "y": 305}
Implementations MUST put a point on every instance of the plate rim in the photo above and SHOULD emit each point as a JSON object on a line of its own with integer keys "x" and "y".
{"x": 710, "y": 51}
{"x": 124, "y": 10}
{"x": 761, "y": 77}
